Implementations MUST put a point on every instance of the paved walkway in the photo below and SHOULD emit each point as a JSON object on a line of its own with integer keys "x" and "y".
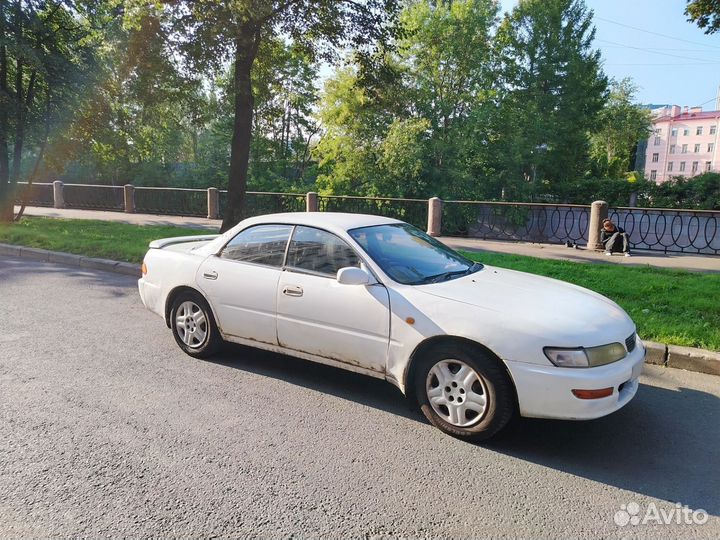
{"x": 546, "y": 251}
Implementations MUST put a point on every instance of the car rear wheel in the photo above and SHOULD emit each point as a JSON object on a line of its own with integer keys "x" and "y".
{"x": 464, "y": 392}
{"x": 193, "y": 325}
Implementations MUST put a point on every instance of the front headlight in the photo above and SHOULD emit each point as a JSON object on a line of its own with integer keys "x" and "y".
{"x": 586, "y": 357}
{"x": 567, "y": 357}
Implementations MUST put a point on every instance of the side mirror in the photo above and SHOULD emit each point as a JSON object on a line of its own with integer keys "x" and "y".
{"x": 353, "y": 276}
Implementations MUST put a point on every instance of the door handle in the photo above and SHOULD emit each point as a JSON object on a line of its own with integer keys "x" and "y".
{"x": 292, "y": 290}
{"x": 210, "y": 275}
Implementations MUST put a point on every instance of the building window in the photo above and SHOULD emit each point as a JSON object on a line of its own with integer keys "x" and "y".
{"x": 655, "y": 158}
{"x": 712, "y": 130}
{"x": 686, "y": 132}
{"x": 684, "y": 148}
{"x": 658, "y": 131}
{"x": 653, "y": 175}
{"x": 711, "y": 146}
{"x": 672, "y": 148}
{"x": 694, "y": 167}
{"x": 707, "y": 165}
{"x": 682, "y": 166}
{"x": 697, "y": 148}
{"x": 670, "y": 166}
{"x": 699, "y": 130}
{"x": 657, "y": 141}
{"x": 673, "y": 132}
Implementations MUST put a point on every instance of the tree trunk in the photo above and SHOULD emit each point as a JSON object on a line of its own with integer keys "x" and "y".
{"x": 246, "y": 50}
{"x": 6, "y": 208}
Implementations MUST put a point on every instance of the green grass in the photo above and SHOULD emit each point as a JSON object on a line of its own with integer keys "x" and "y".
{"x": 104, "y": 239}
{"x": 670, "y": 306}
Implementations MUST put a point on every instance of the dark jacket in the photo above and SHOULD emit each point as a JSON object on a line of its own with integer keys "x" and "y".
{"x": 606, "y": 235}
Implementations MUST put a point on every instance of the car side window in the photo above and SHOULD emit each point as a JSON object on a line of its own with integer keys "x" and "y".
{"x": 319, "y": 251}
{"x": 262, "y": 244}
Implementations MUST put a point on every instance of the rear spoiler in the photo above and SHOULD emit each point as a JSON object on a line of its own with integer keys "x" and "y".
{"x": 165, "y": 242}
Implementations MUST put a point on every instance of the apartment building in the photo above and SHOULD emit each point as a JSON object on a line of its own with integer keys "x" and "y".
{"x": 684, "y": 142}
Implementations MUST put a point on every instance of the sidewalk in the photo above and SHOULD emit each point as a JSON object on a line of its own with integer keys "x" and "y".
{"x": 700, "y": 263}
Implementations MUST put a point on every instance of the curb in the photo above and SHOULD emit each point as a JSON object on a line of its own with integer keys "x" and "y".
{"x": 660, "y": 354}
{"x": 71, "y": 259}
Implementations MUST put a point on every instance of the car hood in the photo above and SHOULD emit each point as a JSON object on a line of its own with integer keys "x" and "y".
{"x": 567, "y": 314}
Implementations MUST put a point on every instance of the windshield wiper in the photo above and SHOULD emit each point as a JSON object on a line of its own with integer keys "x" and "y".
{"x": 437, "y": 278}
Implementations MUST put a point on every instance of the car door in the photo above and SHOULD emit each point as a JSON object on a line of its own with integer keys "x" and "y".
{"x": 318, "y": 315}
{"x": 241, "y": 282}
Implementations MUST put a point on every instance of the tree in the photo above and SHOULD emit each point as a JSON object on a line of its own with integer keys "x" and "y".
{"x": 209, "y": 32}
{"x": 704, "y": 13}
{"x": 46, "y": 55}
{"x": 423, "y": 131}
{"x": 552, "y": 88}
{"x": 620, "y": 125}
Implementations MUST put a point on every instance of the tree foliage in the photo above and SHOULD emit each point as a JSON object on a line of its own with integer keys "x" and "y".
{"x": 704, "y": 13}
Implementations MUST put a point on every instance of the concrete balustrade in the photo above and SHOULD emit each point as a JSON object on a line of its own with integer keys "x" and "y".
{"x": 129, "y": 198}
{"x": 58, "y": 195}
{"x": 311, "y": 202}
{"x": 213, "y": 203}
{"x": 435, "y": 216}
{"x": 598, "y": 212}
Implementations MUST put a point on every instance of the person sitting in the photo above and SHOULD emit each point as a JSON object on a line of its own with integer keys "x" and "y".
{"x": 614, "y": 238}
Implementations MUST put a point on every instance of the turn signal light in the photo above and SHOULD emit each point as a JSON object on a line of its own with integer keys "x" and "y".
{"x": 593, "y": 394}
{"x": 143, "y": 268}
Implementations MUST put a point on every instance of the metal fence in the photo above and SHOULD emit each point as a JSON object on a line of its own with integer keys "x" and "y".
{"x": 93, "y": 197}
{"x": 653, "y": 229}
{"x": 34, "y": 194}
{"x": 171, "y": 201}
{"x": 670, "y": 230}
{"x": 258, "y": 203}
{"x": 529, "y": 222}
{"x": 413, "y": 211}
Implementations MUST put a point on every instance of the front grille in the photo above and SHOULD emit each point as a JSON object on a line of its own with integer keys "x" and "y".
{"x": 630, "y": 343}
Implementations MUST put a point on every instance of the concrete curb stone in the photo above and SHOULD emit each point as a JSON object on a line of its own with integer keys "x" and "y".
{"x": 694, "y": 359}
{"x": 656, "y": 353}
{"x": 674, "y": 356}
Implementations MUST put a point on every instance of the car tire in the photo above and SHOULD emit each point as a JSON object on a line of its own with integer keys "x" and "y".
{"x": 464, "y": 391}
{"x": 193, "y": 325}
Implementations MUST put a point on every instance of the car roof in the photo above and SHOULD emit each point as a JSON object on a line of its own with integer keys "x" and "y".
{"x": 332, "y": 221}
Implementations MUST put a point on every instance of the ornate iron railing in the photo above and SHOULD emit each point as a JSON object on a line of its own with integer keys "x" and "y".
{"x": 670, "y": 230}
{"x": 171, "y": 201}
{"x": 34, "y": 194}
{"x": 258, "y": 203}
{"x": 529, "y": 222}
{"x": 93, "y": 197}
{"x": 413, "y": 211}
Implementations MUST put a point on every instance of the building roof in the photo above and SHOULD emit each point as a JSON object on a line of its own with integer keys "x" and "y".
{"x": 687, "y": 116}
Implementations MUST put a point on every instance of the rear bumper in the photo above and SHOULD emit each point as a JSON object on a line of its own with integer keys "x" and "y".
{"x": 151, "y": 297}
{"x": 546, "y": 391}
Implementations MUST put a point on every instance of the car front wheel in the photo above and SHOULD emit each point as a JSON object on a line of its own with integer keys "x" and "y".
{"x": 464, "y": 392}
{"x": 193, "y": 325}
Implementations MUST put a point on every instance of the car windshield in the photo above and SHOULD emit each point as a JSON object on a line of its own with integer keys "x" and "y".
{"x": 410, "y": 256}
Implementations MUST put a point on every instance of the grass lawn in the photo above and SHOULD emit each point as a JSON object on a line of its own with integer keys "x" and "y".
{"x": 676, "y": 307}
{"x": 104, "y": 239}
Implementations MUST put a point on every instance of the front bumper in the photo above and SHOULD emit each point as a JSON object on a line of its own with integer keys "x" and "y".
{"x": 546, "y": 391}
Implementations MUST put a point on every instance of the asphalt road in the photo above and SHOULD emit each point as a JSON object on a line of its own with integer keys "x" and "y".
{"x": 106, "y": 428}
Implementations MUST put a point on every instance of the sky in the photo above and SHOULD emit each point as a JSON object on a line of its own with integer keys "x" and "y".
{"x": 680, "y": 67}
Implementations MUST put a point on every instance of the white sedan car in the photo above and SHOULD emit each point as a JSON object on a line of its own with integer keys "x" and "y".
{"x": 471, "y": 344}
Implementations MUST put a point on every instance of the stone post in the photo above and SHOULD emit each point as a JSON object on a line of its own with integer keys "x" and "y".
{"x": 598, "y": 212}
{"x": 129, "y": 192}
{"x": 311, "y": 202}
{"x": 213, "y": 203}
{"x": 58, "y": 196}
{"x": 435, "y": 216}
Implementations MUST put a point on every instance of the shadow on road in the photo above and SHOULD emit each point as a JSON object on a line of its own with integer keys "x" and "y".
{"x": 664, "y": 444}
